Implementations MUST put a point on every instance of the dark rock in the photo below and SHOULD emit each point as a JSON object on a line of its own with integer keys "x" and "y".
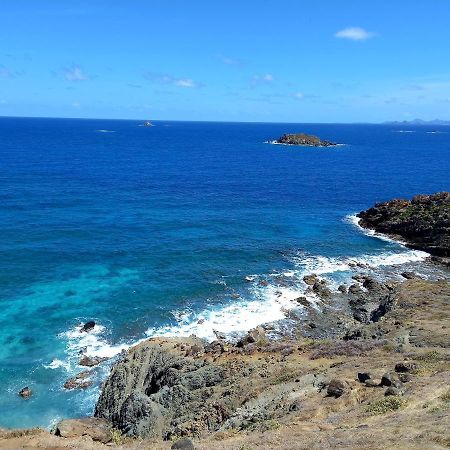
{"x": 336, "y": 388}
{"x": 392, "y": 390}
{"x": 91, "y": 361}
{"x": 79, "y": 381}
{"x": 310, "y": 279}
{"x": 389, "y": 379}
{"x": 406, "y": 366}
{"x": 405, "y": 377}
{"x": 147, "y": 123}
{"x": 88, "y": 326}
{"x": 409, "y": 275}
{"x": 255, "y": 336}
{"x": 355, "y": 289}
{"x": 183, "y": 444}
{"x": 424, "y": 222}
{"x": 26, "y": 392}
{"x": 321, "y": 289}
{"x": 303, "y": 301}
{"x": 216, "y": 347}
{"x": 343, "y": 288}
{"x": 97, "y": 429}
{"x": 364, "y": 376}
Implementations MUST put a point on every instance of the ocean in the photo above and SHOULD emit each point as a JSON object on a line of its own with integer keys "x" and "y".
{"x": 180, "y": 228}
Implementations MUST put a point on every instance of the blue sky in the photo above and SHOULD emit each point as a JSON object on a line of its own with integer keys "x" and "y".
{"x": 235, "y": 60}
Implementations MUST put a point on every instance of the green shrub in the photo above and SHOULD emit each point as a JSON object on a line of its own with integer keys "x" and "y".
{"x": 386, "y": 405}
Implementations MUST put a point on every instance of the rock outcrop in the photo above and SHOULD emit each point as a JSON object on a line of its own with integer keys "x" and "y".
{"x": 423, "y": 222}
{"x": 156, "y": 390}
{"x": 302, "y": 139}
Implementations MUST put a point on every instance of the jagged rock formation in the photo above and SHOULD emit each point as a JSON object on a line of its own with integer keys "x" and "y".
{"x": 424, "y": 222}
{"x": 303, "y": 139}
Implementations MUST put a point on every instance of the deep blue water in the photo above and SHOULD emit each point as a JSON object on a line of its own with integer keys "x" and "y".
{"x": 150, "y": 229}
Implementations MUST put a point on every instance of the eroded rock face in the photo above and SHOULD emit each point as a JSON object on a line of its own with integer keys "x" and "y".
{"x": 424, "y": 221}
{"x": 156, "y": 388}
{"x": 97, "y": 429}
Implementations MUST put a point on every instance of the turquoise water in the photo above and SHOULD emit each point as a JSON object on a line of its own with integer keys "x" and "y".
{"x": 170, "y": 229}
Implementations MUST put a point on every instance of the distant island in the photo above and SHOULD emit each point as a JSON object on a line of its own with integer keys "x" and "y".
{"x": 302, "y": 139}
{"x": 419, "y": 122}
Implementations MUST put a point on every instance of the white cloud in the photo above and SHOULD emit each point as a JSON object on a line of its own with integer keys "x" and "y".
{"x": 259, "y": 79}
{"x": 298, "y": 95}
{"x": 75, "y": 73}
{"x": 185, "y": 82}
{"x": 354, "y": 34}
{"x": 169, "y": 79}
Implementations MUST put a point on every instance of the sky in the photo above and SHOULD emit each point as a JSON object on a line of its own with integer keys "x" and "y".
{"x": 226, "y": 60}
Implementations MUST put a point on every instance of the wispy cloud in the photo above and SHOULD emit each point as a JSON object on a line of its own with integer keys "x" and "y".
{"x": 5, "y": 72}
{"x": 171, "y": 80}
{"x": 298, "y": 95}
{"x": 355, "y": 34}
{"x": 230, "y": 61}
{"x": 76, "y": 104}
{"x": 75, "y": 73}
{"x": 266, "y": 78}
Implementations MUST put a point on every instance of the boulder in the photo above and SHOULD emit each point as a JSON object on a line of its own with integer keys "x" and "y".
{"x": 388, "y": 379}
{"x": 79, "y": 381}
{"x": 88, "y": 326}
{"x": 392, "y": 390}
{"x": 97, "y": 429}
{"x": 321, "y": 289}
{"x": 371, "y": 383}
{"x": 310, "y": 279}
{"x": 409, "y": 275}
{"x": 26, "y": 392}
{"x": 406, "y": 366}
{"x": 91, "y": 361}
{"x": 255, "y": 336}
{"x": 337, "y": 387}
{"x": 343, "y": 288}
{"x": 183, "y": 444}
{"x": 364, "y": 376}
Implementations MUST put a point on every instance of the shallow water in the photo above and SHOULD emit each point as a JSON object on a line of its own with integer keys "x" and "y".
{"x": 170, "y": 229}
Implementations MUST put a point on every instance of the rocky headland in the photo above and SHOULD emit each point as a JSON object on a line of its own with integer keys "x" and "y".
{"x": 423, "y": 222}
{"x": 368, "y": 369}
{"x": 302, "y": 139}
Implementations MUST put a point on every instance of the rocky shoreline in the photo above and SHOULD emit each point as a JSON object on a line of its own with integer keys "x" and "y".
{"x": 423, "y": 222}
{"x": 372, "y": 373}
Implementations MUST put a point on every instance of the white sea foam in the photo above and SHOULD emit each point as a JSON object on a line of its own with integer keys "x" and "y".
{"x": 269, "y": 303}
{"x": 93, "y": 343}
{"x": 56, "y": 364}
{"x": 105, "y": 131}
{"x": 403, "y": 131}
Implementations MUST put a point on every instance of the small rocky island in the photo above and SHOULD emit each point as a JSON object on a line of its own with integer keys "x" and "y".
{"x": 302, "y": 139}
{"x": 147, "y": 123}
{"x": 424, "y": 221}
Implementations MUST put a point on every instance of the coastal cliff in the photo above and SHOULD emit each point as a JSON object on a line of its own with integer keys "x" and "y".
{"x": 424, "y": 221}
